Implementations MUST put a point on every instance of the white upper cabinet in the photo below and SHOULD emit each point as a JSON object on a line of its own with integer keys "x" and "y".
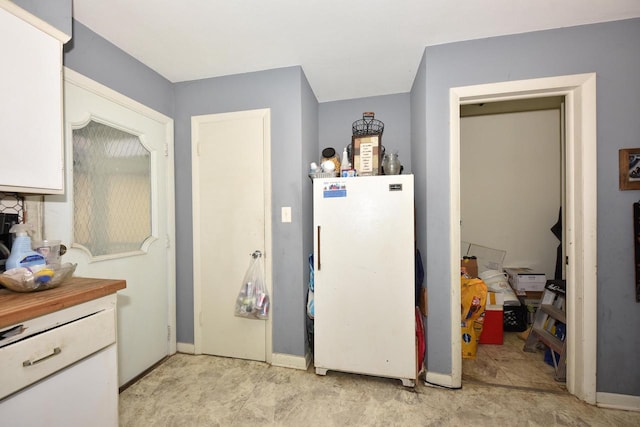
{"x": 31, "y": 122}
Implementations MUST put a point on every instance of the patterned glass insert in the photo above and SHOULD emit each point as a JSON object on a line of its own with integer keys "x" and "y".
{"x": 111, "y": 190}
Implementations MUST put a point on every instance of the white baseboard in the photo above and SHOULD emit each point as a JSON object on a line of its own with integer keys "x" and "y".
{"x": 442, "y": 380}
{"x": 184, "y": 347}
{"x": 291, "y": 361}
{"x": 277, "y": 359}
{"x": 618, "y": 401}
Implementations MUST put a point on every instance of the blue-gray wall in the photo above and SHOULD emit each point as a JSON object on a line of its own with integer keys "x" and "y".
{"x": 310, "y": 153}
{"x": 55, "y": 12}
{"x": 433, "y": 356}
{"x": 336, "y": 118}
{"x": 280, "y": 90}
{"x": 609, "y": 49}
{"x": 91, "y": 55}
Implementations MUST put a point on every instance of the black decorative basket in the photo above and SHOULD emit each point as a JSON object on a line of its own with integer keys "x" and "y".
{"x": 367, "y": 125}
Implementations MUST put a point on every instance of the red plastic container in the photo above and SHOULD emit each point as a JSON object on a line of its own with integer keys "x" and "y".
{"x": 492, "y": 332}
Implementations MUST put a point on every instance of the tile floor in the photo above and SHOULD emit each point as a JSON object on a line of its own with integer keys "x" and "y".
{"x": 509, "y": 365}
{"x": 188, "y": 390}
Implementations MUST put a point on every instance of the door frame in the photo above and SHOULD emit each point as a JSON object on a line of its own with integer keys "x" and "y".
{"x": 267, "y": 257}
{"x": 581, "y": 210}
{"x": 105, "y": 92}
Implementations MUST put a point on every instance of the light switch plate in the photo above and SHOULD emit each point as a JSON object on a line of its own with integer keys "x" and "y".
{"x": 286, "y": 214}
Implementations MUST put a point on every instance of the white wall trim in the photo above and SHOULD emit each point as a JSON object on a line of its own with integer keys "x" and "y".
{"x": 454, "y": 243}
{"x": 443, "y": 380}
{"x": 187, "y": 348}
{"x": 71, "y": 76}
{"x": 580, "y": 93}
{"x": 291, "y": 361}
{"x": 618, "y": 401}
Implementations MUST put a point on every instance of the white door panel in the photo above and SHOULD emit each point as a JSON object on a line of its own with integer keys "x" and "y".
{"x": 230, "y": 204}
{"x": 145, "y": 304}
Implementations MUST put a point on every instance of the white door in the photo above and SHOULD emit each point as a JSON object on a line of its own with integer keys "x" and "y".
{"x": 114, "y": 216}
{"x": 231, "y": 220}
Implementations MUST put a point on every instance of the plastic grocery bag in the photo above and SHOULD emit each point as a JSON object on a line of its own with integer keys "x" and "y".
{"x": 474, "y": 298}
{"x": 253, "y": 298}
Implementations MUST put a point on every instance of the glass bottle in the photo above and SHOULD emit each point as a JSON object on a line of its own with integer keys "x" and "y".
{"x": 391, "y": 164}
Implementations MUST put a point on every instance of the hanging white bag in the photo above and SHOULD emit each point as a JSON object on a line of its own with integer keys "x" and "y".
{"x": 253, "y": 299}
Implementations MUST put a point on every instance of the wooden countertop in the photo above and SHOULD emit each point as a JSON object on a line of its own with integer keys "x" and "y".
{"x": 17, "y": 307}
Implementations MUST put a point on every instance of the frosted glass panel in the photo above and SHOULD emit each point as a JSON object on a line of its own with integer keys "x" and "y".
{"x": 111, "y": 190}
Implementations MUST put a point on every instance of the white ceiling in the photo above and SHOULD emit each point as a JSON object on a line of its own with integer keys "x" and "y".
{"x": 347, "y": 48}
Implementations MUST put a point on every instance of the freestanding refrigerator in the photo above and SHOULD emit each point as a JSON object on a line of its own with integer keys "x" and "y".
{"x": 364, "y": 276}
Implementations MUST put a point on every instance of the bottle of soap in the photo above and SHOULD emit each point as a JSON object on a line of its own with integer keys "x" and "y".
{"x": 21, "y": 253}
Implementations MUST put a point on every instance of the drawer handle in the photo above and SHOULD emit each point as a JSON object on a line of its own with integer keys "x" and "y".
{"x": 56, "y": 351}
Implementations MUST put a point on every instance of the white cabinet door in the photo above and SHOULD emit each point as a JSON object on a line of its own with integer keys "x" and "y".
{"x": 30, "y": 108}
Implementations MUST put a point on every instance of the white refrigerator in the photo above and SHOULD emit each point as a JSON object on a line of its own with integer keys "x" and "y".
{"x": 364, "y": 276}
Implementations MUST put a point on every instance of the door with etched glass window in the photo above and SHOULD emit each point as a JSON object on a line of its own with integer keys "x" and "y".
{"x": 113, "y": 217}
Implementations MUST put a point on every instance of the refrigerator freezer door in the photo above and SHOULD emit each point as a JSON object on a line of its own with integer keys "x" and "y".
{"x": 364, "y": 276}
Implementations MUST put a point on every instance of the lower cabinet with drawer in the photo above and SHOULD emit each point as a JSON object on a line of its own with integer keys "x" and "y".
{"x": 61, "y": 368}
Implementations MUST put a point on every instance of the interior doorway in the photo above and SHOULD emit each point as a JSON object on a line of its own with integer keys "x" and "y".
{"x": 579, "y": 92}
{"x": 231, "y": 166}
{"x": 511, "y": 195}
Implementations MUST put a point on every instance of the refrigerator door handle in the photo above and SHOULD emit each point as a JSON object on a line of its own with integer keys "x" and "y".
{"x": 318, "y": 248}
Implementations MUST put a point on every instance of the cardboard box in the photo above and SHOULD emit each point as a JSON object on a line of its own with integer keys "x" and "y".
{"x": 469, "y": 266}
{"x": 492, "y": 329}
{"x": 525, "y": 280}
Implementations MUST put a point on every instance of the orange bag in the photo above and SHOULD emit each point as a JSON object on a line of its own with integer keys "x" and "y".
{"x": 473, "y": 296}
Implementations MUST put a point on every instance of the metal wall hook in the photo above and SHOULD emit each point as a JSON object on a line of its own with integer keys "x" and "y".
{"x": 256, "y": 254}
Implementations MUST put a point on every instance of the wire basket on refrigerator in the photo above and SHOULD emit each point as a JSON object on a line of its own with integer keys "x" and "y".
{"x": 367, "y": 125}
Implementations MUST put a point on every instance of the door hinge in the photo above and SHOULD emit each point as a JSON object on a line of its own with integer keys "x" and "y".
{"x": 166, "y": 149}
{"x": 168, "y": 332}
{"x": 167, "y": 241}
{"x": 566, "y": 260}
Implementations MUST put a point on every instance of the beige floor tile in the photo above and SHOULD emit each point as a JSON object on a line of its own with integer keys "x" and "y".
{"x": 189, "y": 390}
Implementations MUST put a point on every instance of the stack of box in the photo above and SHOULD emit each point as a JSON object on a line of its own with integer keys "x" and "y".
{"x": 492, "y": 329}
{"x": 528, "y": 286}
